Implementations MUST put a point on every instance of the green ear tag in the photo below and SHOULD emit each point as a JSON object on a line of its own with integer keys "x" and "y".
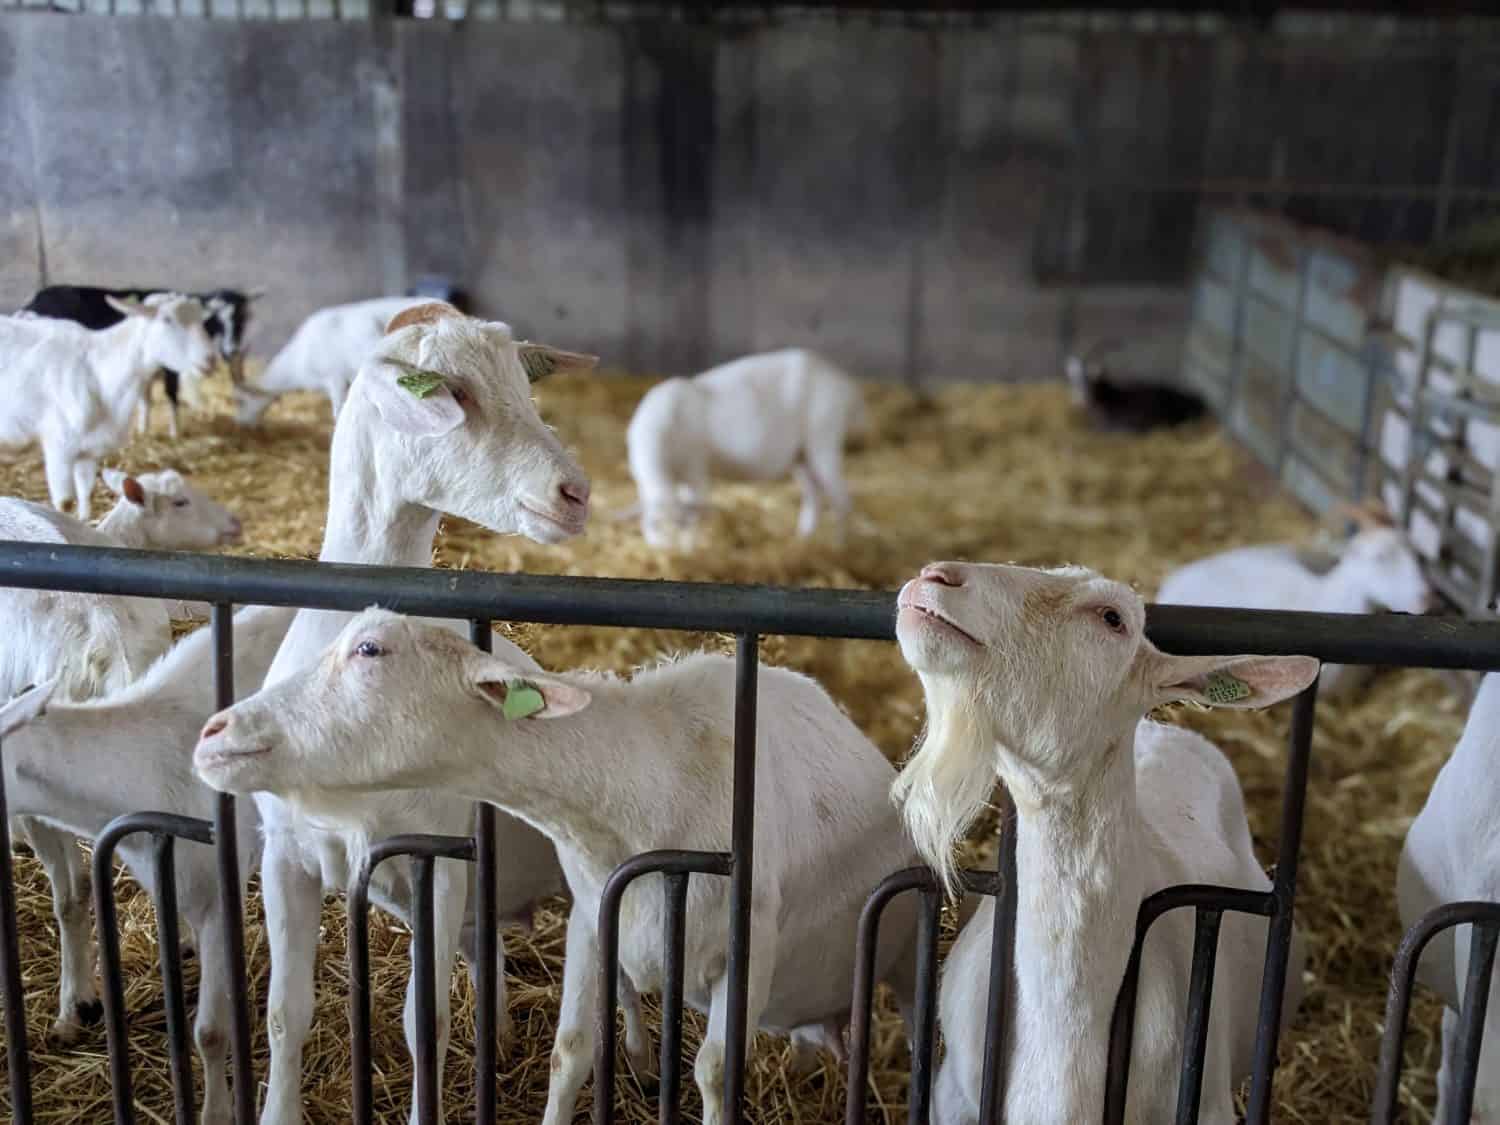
{"x": 538, "y": 364}
{"x": 419, "y": 381}
{"x": 521, "y": 699}
{"x": 1224, "y": 688}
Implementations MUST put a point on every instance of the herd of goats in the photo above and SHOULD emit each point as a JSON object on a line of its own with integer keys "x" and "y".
{"x": 354, "y": 727}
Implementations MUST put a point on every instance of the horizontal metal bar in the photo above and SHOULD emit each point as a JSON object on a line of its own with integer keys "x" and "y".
{"x": 1387, "y": 639}
{"x": 421, "y": 845}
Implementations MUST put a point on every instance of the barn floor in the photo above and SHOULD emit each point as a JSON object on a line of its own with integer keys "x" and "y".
{"x": 994, "y": 473}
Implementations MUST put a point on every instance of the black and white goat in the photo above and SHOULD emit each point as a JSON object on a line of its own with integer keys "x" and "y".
{"x": 227, "y": 320}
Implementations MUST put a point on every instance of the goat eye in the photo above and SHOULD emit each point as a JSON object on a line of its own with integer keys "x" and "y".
{"x": 1111, "y": 617}
{"x": 181, "y": 503}
{"x": 369, "y": 649}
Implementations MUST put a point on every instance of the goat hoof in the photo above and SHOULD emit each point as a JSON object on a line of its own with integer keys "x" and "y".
{"x": 64, "y": 1033}
{"x": 90, "y": 1012}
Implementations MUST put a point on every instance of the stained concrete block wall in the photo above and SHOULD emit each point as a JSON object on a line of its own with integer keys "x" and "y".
{"x": 667, "y": 195}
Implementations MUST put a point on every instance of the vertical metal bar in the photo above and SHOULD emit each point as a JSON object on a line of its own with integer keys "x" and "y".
{"x": 486, "y": 939}
{"x": 1471, "y": 1019}
{"x": 114, "y": 985}
{"x": 17, "y": 1050}
{"x": 675, "y": 926}
{"x": 1283, "y": 893}
{"x": 1122, "y": 1036}
{"x": 227, "y": 848}
{"x": 1200, "y": 1004}
{"x": 609, "y": 993}
{"x": 742, "y": 845}
{"x": 1002, "y": 951}
{"x": 924, "y": 1038}
{"x": 169, "y": 952}
{"x": 425, "y": 972}
{"x": 361, "y": 1093}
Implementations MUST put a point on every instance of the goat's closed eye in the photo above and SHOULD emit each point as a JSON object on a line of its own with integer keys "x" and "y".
{"x": 181, "y": 503}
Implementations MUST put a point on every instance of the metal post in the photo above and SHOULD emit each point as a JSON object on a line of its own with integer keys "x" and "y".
{"x": 169, "y": 952}
{"x": 231, "y": 905}
{"x": 362, "y": 1092}
{"x": 487, "y": 938}
{"x": 1200, "y": 1005}
{"x": 425, "y": 975}
{"x": 1283, "y": 895}
{"x": 1471, "y": 1019}
{"x": 669, "y": 864}
{"x": 866, "y": 942}
{"x": 17, "y": 1051}
{"x": 163, "y": 826}
{"x": 742, "y": 847}
{"x": 114, "y": 983}
{"x": 924, "y": 1039}
{"x": 1002, "y": 952}
{"x": 675, "y": 914}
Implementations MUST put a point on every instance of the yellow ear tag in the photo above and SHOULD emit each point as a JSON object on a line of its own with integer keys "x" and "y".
{"x": 521, "y": 699}
{"x": 1224, "y": 688}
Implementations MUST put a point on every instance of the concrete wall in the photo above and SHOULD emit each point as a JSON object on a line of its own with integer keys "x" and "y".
{"x": 666, "y": 194}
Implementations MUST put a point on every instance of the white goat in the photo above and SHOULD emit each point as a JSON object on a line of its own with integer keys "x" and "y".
{"x": 1377, "y": 570}
{"x": 440, "y": 419}
{"x": 87, "y": 645}
{"x": 758, "y": 418}
{"x": 76, "y": 766}
{"x": 1452, "y": 854}
{"x": 324, "y": 354}
{"x": 396, "y": 704}
{"x": 1040, "y": 679}
{"x": 74, "y": 390}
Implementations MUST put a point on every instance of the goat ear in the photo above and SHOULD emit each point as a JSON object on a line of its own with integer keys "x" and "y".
{"x": 540, "y": 360}
{"x": 27, "y": 706}
{"x": 126, "y": 307}
{"x": 411, "y": 400}
{"x": 1244, "y": 683}
{"x": 525, "y": 696}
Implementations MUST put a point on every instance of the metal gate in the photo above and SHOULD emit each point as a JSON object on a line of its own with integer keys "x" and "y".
{"x": 748, "y": 612}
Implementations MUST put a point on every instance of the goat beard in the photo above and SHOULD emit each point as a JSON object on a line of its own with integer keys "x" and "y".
{"x": 948, "y": 780}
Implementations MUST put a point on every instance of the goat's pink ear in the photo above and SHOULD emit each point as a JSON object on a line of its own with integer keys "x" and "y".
{"x": 525, "y": 695}
{"x": 540, "y": 360}
{"x": 27, "y": 706}
{"x": 410, "y": 399}
{"x": 1244, "y": 683}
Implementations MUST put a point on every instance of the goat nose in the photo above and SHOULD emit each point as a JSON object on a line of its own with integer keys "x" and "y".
{"x": 944, "y": 574}
{"x": 575, "y": 492}
{"x": 214, "y": 727}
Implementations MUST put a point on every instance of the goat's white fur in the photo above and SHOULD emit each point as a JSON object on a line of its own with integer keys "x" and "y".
{"x": 758, "y": 418}
{"x": 74, "y": 391}
{"x": 89, "y": 644}
{"x": 620, "y": 768}
{"x": 398, "y": 463}
{"x": 1452, "y": 854}
{"x": 74, "y": 766}
{"x": 1056, "y": 675}
{"x": 1377, "y": 570}
{"x": 324, "y": 354}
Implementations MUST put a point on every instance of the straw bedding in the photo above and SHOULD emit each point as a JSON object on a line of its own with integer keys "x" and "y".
{"x": 993, "y": 473}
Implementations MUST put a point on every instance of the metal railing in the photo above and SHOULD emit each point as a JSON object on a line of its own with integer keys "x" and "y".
{"x": 746, "y": 612}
